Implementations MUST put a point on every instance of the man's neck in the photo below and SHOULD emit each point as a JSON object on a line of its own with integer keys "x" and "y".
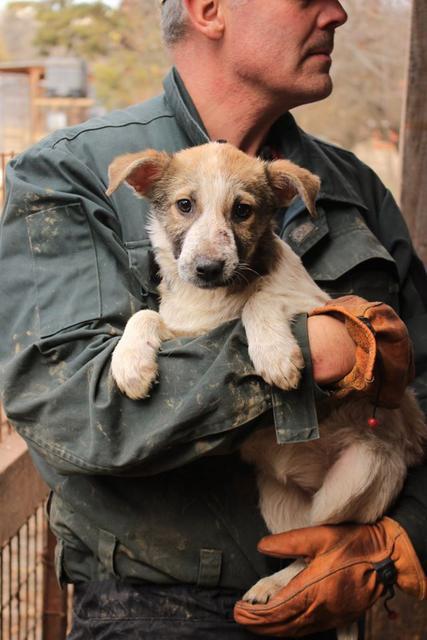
{"x": 230, "y": 111}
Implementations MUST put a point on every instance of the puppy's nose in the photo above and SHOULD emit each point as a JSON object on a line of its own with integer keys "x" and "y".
{"x": 209, "y": 270}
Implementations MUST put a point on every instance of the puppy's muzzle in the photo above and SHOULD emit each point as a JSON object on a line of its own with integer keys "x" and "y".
{"x": 209, "y": 272}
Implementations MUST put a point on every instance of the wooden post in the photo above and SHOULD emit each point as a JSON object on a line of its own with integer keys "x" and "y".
{"x": 54, "y": 598}
{"x": 414, "y": 133}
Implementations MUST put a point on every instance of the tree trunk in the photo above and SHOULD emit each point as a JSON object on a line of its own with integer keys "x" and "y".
{"x": 414, "y": 133}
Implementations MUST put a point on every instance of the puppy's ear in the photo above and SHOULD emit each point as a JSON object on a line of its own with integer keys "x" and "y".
{"x": 140, "y": 170}
{"x": 288, "y": 180}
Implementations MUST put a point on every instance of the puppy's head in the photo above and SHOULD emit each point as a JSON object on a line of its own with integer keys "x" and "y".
{"x": 214, "y": 206}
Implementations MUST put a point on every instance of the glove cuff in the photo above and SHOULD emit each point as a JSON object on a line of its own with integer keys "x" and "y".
{"x": 384, "y": 359}
{"x": 410, "y": 575}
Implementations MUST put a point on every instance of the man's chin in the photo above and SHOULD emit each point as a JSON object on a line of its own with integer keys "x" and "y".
{"x": 319, "y": 89}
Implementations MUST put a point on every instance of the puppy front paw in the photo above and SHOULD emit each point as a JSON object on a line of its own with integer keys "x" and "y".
{"x": 134, "y": 370}
{"x": 277, "y": 366}
{"x": 262, "y": 591}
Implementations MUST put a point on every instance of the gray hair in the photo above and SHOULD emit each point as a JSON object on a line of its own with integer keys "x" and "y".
{"x": 174, "y": 22}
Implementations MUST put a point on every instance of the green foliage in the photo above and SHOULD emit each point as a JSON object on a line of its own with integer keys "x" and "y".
{"x": 83, "y": 29}
{"x": 122, "y": 46}
{"x": 126, "y": 80}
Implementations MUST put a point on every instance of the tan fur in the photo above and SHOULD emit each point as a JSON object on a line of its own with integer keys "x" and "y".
{"x": 352, "y": 473}
{"x": 301, "y": 181}
{"x": 133, "y": 167}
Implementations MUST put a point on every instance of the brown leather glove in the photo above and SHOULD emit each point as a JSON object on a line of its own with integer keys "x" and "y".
{"x": 384, "y": 358}
{"x": 349, "y": 568}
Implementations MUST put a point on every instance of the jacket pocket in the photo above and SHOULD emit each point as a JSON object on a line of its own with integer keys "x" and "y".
{"x": 353, "y": 261}
{"x": 65, "y": 268}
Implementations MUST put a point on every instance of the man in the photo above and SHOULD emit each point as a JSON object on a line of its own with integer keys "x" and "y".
{"x": 156, "y": 516}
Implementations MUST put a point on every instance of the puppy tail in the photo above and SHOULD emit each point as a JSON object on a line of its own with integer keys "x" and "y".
{"x": 349, "y": 632}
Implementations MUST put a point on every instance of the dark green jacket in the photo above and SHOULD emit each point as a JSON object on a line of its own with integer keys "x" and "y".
{"x": 154, "y": 489}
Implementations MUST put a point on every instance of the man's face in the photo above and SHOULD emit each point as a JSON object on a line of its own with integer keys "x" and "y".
{"x": 283, "y": 47}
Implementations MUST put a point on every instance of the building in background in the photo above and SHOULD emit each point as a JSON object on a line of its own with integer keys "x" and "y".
{"x": 37, "y": 97}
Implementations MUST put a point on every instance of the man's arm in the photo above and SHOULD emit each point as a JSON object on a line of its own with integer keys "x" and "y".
{"x": 364, "y": 560}
{"x": 67, "y": 293}
{"x": 386, "y": 221}
{"x": 66, "y": 301}
{"x": 332, "y": 349}
{"x": 388, "y": 224}
{"x": 410, "y": 509}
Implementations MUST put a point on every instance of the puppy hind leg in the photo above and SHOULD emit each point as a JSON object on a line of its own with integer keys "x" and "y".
{"x": 349, "y": 632}
{"x": 284, "y": 505}
{"x": 359, "y": 486}
{"x": 267, "y": 588}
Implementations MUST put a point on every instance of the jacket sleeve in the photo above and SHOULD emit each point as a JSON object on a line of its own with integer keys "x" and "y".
{"x": 67, "y": 293}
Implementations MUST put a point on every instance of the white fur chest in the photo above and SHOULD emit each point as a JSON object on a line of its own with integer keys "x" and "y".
{"x": 188, "y": 310}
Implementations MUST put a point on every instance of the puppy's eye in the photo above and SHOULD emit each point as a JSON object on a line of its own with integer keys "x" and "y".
{"x": 184, "y": 205}
{"x": 241, "y": 211}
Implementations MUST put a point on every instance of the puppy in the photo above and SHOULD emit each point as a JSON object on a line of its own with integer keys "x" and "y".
{"x": 212, "y": 229}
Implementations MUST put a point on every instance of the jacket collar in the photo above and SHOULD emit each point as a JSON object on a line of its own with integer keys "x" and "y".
{"x": 323, "y": 159}
{"x": 186, "y": 113}
{"x": 326, "y": 161}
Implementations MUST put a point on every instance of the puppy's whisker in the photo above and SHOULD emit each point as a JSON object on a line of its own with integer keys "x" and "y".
{"x": 245, "y": 267}
{"x": 239, "y": 276}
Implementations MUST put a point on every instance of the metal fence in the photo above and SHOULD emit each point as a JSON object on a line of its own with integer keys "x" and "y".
{"x": 21, "y": 581}
{"x": 32, "y": 606}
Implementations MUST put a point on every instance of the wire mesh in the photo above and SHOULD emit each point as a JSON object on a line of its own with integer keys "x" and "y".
{"x": 21, "y": 581}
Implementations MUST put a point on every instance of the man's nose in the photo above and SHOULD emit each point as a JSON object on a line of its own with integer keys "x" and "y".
{"x": 333, "y": 15}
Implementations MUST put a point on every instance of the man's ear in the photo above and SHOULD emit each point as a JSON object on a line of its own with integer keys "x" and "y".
{"x": 206, "y": 16}
{"x": 289, "y": 180}
{"x": 139, "y": 170}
